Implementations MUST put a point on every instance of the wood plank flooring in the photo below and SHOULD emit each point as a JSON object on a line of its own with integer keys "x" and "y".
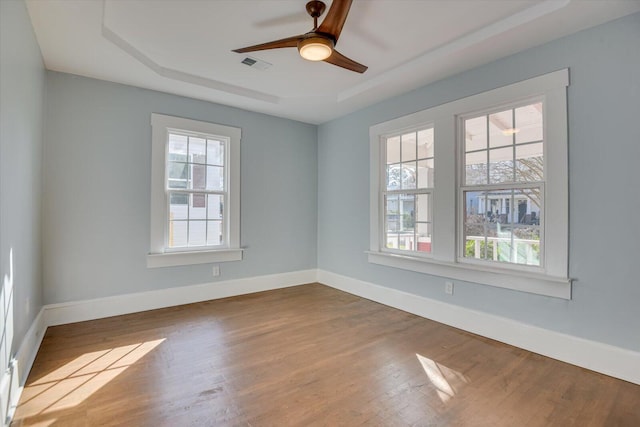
{"x": 304, "y": 356}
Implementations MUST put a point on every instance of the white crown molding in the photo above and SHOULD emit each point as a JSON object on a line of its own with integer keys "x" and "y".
{"x": 432, "y": 56}
{"x": 178, "y": 75}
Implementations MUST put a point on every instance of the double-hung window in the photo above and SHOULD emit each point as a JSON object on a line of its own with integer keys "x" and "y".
{"x": 195, "y": 192}
{"x": 407, "y": 191}
{"x": 503, "y": 185}
{"x": 477, "y": 189}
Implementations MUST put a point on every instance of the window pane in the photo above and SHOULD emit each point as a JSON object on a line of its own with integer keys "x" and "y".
{"x": 516, "y": 244}
{"x": 490, "y": 232}
{"x": 197, "y": 177}
{"x": 475, "y": 244}
{"x": 177, "y": 147}
{"x": 501, "y": 129}
{"x": 408, "y": 204}
{"x": 501, "y": 165}
{"x": 400, "y": 221}
{"x": 215, "y": 206}
{"x": 392, "y": 213}
{"x": 392, "y": 220}
{"x": 529, "y": 163}
{"x": 529, "y": 123}
{"x": 215, "y": 178}
{"x": 526, "y": 243}
{"x": 178, "y": 206}
{"x": 197, "y": 149}
{"x": 423, "y": 234}
{"x": 197, "y": 233}
{"x": 425, "y": 143}
{"x": 392, "y": 240}
{"x": 199, "y": 200}
{"x": 409, "y": 180}
{"x": 409, "y": 146}
{"x": 177, "y": 174}
{"x": 475, "y": 206}
{"x": 393, "y": 177}
{"x": 485, "y": 216}
{"x": 475, "y": 131}
{"x": 476, "y": 168}
{"x": 423, "y": 214}
{"x": 528, "y": 206}
{"x": 393, "y": 150}
{"x": 197, "y": 208}
{"x": 214, "y": 232}
{"x": 177, "y": 234}
{"x": 215, "y": 152}
{"x": 425, "y": 173}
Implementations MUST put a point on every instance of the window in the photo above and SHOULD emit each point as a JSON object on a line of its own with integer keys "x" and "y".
{"x": 485, "y": 199}
{"x": 195, "y": 192}
{"x": 407, "y": 192}
{"x": 503, "y": 185}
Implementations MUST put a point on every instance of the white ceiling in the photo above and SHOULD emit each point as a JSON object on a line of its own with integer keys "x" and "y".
{"x": 184, "y": 46}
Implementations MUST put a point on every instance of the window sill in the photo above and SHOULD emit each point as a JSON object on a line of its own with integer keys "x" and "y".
{"x": 171, "y": 259}
{"x": 540, "y": 284}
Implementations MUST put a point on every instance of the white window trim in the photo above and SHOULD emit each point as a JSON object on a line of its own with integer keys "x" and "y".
{"x": 158, "y": 255}
{"x": 551, "y": 279}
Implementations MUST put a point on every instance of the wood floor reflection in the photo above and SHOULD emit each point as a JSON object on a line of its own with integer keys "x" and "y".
{"x": 304, "y": 356}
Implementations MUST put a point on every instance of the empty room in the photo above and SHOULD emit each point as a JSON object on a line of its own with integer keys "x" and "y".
{"x": 319, "y": 213}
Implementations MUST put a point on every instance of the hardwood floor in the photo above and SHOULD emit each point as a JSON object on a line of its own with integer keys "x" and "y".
{"x": 304, "y": 356}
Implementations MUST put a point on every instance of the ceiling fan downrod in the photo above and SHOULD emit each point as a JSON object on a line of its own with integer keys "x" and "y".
{"x": 315, "y": 8}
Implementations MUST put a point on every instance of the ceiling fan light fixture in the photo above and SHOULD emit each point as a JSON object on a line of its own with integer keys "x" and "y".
{"x": 315, "y": 48}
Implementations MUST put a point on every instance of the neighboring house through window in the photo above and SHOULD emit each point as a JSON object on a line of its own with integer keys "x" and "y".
{"x": 195, "y": 192}
{"x": 493, "y": 201}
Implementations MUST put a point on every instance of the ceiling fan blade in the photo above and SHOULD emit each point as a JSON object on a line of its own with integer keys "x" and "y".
{"x": 336, "y": 16}
{"x": 340, "y": 60}
{"x": 276, "y": 44}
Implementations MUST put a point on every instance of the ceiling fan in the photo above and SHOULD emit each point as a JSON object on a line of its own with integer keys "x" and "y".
{"x": 319, "y": 43}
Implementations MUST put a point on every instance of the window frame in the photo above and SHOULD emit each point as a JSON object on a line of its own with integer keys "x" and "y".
{"x": 160, "y": 255}
{"x": 551, "y": 278}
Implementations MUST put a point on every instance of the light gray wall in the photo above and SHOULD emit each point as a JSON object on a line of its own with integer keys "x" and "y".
{"x": 604, "y": 143}
{"x": 22, "y": 78}
{"x": 97, "y": 190}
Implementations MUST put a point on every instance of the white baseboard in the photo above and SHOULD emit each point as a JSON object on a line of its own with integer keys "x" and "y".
{"x": 606, "y": 359}
{"x": 610, "y": 360}
{"x": 80, "y": 311}
{"x": 14, "y": 377}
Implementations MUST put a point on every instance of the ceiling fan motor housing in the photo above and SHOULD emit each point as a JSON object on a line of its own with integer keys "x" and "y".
{"x": 315, "y": 46}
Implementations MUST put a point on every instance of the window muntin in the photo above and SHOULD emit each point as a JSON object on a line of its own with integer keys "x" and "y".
{"x": 408, "y": 166}
{"x": 196, "y": 190}
{"x": 503, "y": 191}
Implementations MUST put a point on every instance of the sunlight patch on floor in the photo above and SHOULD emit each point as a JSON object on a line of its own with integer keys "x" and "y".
{"x": 445, "y": 380}
{"x": 74, "y": 382}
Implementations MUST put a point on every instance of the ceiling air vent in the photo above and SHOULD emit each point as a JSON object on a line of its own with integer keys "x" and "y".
{"x": 256, "y": 63}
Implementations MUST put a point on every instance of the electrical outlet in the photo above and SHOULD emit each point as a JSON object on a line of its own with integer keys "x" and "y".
{"x": 216, "y": 270}
{"x": 448, "y": 288}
